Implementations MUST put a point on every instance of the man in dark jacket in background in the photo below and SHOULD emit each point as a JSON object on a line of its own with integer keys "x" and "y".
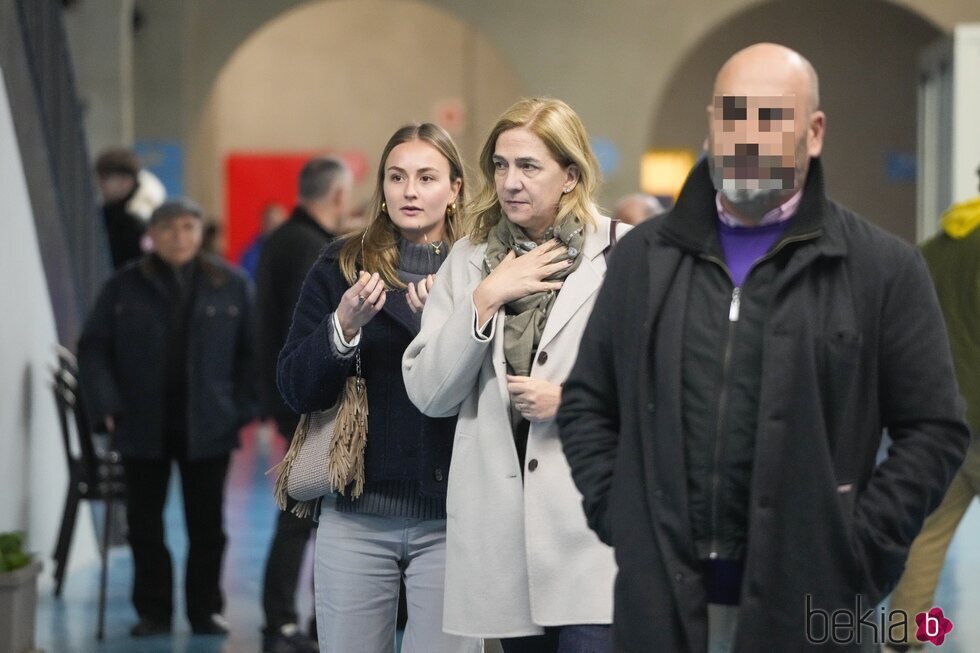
{"x": 289, "y": 253}
{"x": 742, "y": 359}
{"x": 167, "y": 366}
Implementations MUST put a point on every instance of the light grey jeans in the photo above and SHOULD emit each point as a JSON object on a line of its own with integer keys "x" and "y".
{"x": 359, "y": 562}
{"x": 722, "y": 621}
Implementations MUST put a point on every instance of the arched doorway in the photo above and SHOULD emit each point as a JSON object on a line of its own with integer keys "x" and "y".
{"x": 341, "y": 76}
{"x": 865, "y": 54}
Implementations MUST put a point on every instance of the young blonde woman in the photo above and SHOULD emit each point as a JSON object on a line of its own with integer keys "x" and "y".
{"x": 499, "y": 335}
{"x": 361, "y": 301}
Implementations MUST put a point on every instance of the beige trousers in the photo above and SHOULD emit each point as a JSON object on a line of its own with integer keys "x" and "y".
{"x": 917, "y": 588}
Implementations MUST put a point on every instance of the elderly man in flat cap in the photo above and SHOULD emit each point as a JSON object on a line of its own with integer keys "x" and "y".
{"x": 166, "y": 365}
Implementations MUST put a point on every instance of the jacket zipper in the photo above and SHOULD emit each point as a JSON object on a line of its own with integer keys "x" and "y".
{"x": 734, "y": 310}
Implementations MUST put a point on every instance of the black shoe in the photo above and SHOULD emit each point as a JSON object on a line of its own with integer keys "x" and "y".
{"x": 289, "y": 639}
{"x": 147, "y": 627}
{"x": 216, "y": 624}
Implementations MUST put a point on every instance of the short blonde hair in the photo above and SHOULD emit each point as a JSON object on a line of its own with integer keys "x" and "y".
{"x": 562, "y": 131}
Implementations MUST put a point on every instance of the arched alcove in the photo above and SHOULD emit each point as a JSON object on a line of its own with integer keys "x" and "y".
{"x": 865, "y": 54}
{"x": 341, "y": 76}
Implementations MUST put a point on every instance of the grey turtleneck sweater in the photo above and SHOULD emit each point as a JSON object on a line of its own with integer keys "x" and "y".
{"x": 402, "y": 498}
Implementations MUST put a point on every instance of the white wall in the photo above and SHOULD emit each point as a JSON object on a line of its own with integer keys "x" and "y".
{"x": 309, "y": 80}
{"x": 33, "y": 474}
{"x": 100, "y": 37}
{"x": 612, "y": 61}
{"x": 966, "y": 129}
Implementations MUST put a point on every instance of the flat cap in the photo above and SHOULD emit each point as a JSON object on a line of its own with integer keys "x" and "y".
{"x": 174, "y": 208}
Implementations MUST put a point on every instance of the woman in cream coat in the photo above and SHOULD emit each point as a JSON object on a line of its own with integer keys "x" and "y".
{"x": 500, "y": 333}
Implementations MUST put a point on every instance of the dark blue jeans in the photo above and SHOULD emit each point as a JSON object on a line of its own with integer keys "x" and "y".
{"x": 563, "y": 639}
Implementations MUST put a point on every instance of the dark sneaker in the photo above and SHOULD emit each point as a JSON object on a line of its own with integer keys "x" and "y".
{"x": 216, "y": 624}
{"x": 147, "y": 627}
{"x": 289, "y": 639}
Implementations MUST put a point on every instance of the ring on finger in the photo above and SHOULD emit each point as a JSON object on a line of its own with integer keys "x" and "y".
{"x": 360, "y": 299}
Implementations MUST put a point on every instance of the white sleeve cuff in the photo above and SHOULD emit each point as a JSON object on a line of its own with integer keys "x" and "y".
{"x": 484, "y": 332}
{"x": 342, "y": 345}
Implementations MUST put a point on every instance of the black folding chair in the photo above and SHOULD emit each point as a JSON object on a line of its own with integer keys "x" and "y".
{"x": 94, "y": 474}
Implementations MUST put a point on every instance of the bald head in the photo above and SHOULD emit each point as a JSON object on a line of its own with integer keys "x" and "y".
{"x": 634, "y": 209}
{"x": 764, "y": 127}
{"x": 769, "y": 69}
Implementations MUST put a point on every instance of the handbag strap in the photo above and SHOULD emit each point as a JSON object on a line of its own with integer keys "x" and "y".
{"x": 613, "y": 238}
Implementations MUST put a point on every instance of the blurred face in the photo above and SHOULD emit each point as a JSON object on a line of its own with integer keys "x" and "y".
{"x": 633, "y": 211}
{"x": 758, "y": 147}
{"x": 529, "y": 180}
{"x": 178, "y": 240}
{"x": 273, "y": 216}
{"x": 417, "y": 190}
{"x": 115, "y": 186}
{"x": 342, "y": 197}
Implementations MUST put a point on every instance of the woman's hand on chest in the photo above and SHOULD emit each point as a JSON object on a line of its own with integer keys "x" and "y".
{"x": 360, "y": 303}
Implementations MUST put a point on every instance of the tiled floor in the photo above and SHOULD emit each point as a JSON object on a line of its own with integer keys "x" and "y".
{"x": 68, "y": 625}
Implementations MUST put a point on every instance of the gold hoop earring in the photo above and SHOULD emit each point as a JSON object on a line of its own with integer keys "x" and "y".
{"x": 384, "y": 207}
{"x": 451, "y": 210}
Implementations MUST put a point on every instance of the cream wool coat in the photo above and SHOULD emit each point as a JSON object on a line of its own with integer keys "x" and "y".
{"x": 518, "y": 556}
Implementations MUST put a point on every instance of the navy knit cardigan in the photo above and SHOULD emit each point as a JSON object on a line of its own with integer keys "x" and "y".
{"x": 402, "y": 443}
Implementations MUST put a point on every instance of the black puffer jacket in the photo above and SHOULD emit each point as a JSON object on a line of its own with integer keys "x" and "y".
{"x": 721, "y": 377}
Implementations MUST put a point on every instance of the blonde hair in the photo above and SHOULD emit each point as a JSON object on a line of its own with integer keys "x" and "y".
{"x": 375, "y": 248}
{"x": 562, "y": 131}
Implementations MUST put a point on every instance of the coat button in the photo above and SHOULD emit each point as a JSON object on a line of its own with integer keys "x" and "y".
{"x": 679, "y": 577}
{"x": 437, "y": 475}
{"x": 650, "y": 406}
{"x": 532, "y": 464}
{"x": 542, "y": 357}
{"x": 210, "y": 311}
{"x": 233, "y": 311}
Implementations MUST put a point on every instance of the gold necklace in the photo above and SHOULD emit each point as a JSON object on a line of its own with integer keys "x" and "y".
{"x": 436, "y": 247}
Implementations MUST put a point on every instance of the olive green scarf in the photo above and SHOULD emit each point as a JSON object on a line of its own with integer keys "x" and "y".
{"x": 527, "y": 316}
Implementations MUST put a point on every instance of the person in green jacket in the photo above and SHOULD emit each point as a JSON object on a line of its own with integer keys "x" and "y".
{"x": 953, "y": 257}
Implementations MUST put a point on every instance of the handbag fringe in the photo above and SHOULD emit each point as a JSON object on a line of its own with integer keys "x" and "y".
{"x": 346, "y": 459}
{"x": 302, "y": 509}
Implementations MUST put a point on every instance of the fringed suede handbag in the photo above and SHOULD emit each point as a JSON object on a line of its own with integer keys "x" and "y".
{"x": 327, "y": 451}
